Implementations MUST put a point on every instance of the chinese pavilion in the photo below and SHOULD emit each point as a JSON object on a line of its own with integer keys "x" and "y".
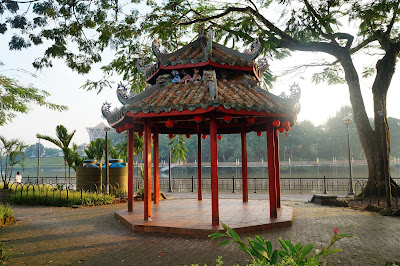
{"x": 204, "y": 89}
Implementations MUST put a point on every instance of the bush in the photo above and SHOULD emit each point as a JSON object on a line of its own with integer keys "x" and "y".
{"x": 6, "y": 211}
{"x": 262, "y": 253}
{"x": 49, "y": 196}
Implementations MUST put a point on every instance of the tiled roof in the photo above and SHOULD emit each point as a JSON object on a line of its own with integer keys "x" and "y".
{"x": 235, "y": 94}
{"x": 197, "y": 51}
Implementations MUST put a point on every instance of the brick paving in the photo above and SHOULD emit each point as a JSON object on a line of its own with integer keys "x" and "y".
{"x": 92, "y": 236}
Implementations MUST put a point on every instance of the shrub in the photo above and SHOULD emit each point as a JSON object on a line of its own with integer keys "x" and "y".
{"x": 6, "y": 211}
{"x": 262, "y": 253}
{"x": 49, "y": 196}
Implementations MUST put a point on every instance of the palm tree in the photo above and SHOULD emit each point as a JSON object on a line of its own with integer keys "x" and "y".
{"x": 17, "y": 156}
{"x": 62, "y": 141}
{"x": 73, "y": 159}
{"x": 8, "y": 149}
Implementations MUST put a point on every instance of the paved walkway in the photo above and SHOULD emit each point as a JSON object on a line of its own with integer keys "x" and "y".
{"x": 92, "y": 236}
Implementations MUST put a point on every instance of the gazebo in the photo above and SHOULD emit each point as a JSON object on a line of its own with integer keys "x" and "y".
{"x": 204, "y": 89}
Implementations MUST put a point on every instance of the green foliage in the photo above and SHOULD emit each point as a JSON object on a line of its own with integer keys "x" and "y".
{"x": 262, "y": 252}
{"x": 62, "y": 141}
{"x": 13, "y": 153}
{"x": 178, "y": 150}
{"x": 16, "y": 98}
{"x": 48, "y": 196}
{"x": 6, "y": 211}
{"x": 3, "y": 252}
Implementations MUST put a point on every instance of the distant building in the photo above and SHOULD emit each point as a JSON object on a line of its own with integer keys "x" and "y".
{"x": 97, "y": 132}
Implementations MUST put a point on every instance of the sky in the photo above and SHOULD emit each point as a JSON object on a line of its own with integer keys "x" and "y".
{"x": 318, "y": 102}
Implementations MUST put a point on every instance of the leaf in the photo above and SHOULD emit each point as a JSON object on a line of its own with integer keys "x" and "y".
{"x": 233, "y": 234}
{"x": 291, "y": 247}
{"x": 284, "y": 246}
{"x": 304, "y": 252}
{"x": 217, "y": 235}
{"x": 274, "y": 257}
{"x": 228, "y": 241}
{"x": 260, "y": 248}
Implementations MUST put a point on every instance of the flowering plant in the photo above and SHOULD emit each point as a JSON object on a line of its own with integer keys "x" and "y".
{"x": 262, "y": 253}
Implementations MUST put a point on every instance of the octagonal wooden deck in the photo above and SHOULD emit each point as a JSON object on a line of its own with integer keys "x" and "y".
{"x": 193, "y": 217}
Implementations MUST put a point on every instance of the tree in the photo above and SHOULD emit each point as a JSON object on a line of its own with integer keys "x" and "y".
{"x": 310, "y": 26}
{"x": 17, "y": 156}
{"x": 304, "y": 25}
{"x": 10, "y": 149}
{"x": 62, "y": 141}
{"x": 16, "y": 98}
{"x": 73, "y": 159}
{"x": 178, "y": 150}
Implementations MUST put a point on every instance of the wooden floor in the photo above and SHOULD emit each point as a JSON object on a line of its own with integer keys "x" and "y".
{"x": 193, "y": 217}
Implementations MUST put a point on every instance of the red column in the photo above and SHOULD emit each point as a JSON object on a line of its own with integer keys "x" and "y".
{"x": 156, "y": 188}
{"x": 147, "y": 170}
{"x": 244, "y": 166}
{"x": 271, "y": 173}
{"x": 130, "y": 170}
{"x": 277, "y": 170}
{"x": 214, "y": 171}
{"x": 199, "y": 170}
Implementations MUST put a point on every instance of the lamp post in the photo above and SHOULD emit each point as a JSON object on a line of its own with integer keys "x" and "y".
{"x": 169, "y": 169}
{"x": 347, "y": 121}
{"x": 38, "y": 158}
{"x": 107, "y": 129}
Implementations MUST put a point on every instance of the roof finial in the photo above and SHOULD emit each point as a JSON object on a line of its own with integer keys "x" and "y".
{"x": 201, "y": 29}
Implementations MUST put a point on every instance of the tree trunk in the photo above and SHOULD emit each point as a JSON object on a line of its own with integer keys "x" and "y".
{"x": 375, "y": 142}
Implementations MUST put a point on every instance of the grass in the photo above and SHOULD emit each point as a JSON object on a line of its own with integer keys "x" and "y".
{"x": 5, "y": 211}
{"x": 50, "y": 196}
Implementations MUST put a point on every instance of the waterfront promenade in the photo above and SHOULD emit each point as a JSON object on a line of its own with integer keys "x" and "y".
{"x": 92, "y": 236}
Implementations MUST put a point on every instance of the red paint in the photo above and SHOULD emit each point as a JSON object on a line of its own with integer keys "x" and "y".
{"x": 277, "y": 172}
{"x": 214, "y": 171}
{"x": 121, "y": 128}
{"x": 129, "y": 125}
{"x": 199, "y": 170}
{"x": 156, "y": 178}
{"x": 244, "y": 166}
{"x": 273, "y": 213}
{"x": 200, "y": 111}
{"x": 147, "y": 170}
{"x": 130, "y": 170}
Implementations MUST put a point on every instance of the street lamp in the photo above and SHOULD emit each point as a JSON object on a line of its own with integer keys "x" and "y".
{"x": 38, "y": 158}
{"x": 107, "y": 129}
{"x": 347, "y": 121}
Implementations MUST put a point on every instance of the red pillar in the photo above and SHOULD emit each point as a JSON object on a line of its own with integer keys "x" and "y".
{"x": 271, "y": 173}
{"x": 244, "y": 166}
{"x": 277, "y": 170}
{"x": 130, "y": 170}
{"x": 214, "y": 171}
{"x": 147, "y": 170}
{"x": 199, "y": 170}
{"x": 156, "y": 188}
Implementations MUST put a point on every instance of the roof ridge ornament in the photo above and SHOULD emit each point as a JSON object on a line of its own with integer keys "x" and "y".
{"x": 123, "y": 94}
{"x": 254, "y": 49}
{"x": 210, "y": 77}
{"x": 209, "y": 43}
{"x": 155, "y": 47}
{"x": 106, "y": 109}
